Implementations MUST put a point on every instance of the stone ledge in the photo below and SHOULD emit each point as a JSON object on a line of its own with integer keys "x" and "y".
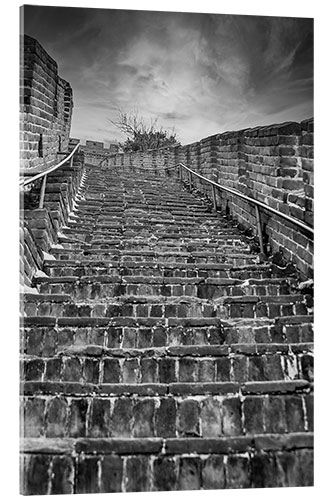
{"x": 172, "y": 446}
{"x": 158, "y": 389}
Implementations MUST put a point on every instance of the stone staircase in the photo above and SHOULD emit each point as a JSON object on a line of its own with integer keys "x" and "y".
{"x": 159, "y": 352}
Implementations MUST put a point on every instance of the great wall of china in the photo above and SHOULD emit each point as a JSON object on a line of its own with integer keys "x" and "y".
{"x": 164, "y": 344}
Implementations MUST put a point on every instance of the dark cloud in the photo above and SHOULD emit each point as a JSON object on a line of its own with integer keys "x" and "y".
{"x": 201, "y": 73}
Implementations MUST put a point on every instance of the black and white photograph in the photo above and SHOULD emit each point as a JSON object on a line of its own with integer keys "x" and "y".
{"x": 166, "y": 186}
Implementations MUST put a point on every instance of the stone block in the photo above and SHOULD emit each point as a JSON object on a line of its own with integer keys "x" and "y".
{"x": 188, "y": 418}
{"x": 211, "y": 418}
{"x": 56, "y": 417}
{"x": 143, "y": 413}
{"x": 232, "y": 416}
{"x": 99, "y": 425}
{"x": 111, "y": 474}
{"x": 137, "y": 474}
{"x": 165, "y": 474}
{"x": 189, "y": 473}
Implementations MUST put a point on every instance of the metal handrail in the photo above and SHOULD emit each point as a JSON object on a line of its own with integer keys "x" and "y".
{"x": 256, "y": 203}
{"x": 25, "y": 182}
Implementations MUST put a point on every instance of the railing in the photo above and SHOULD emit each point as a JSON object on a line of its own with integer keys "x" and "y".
{"x": 26, "y": 182}
{"x": 257, "y": 204}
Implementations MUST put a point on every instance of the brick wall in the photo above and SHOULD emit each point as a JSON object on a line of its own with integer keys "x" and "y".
{"x": 273, "y": 164}
{"x": 40, "y": 227}
{"x": 46, "y": 105}
{"x": 95, "y": 152}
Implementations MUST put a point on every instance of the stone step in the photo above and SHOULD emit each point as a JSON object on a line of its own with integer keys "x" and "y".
{"x": 112, "y": 267}
{"x": 106, "y": 465}
{"x": 145, "y": 258}
{"x": 45, "y": 335}
{"x": 246, "y": 306}
{"x": 177, "y": 410}
{"x": 238, "y": 363}
{"x": 157, "y": 282}
{"x": 190, "y": 237}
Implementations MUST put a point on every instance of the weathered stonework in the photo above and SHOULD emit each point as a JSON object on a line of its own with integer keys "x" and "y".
{"x": 46, "y": 104}
{"x": 95, "y": 152}
{"x": 272, "y": 164}
{"x": 158, "y": 351}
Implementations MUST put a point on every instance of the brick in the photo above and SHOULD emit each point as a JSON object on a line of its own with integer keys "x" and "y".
{"x": 91, "y": 371}
{"x": 213, "y": 473}
{"x": 114, "y": 337}
{"x": 167, "y": 370}
{"x": 305, "y": 467}
{"x": 62, "y": 476}
{"x": 206, "y": 371}
{"x": 99, "y": 424}
{"x": 37, "y": 474}
{"x": 87, "y": 475}
{"x": 189, "y": 473}
{"x": 264, "y": 472}
{"x": 34, "y": 369}
{"x": 256, "y": 368}
{"x": 223, "y": 366}
{"x": 307, "y": 367}
{"x": 187, "y": 370}
{"x": 111, "y": 371}
{"x": 166, "y": 418}
{"x": 287, "y": 463}
{"x": 130, "y": 371}
{"x": 144, "y": 338}
{"x": 72, "y": 371}
{"x": 77, "y": 417}
{"x": 159, "y": 337}
{"x": 33, "y": 418}
{"x": 129, "y": 338}
{"x": 188, "y": 414}
{"x": 240, "y": 368}
{"x": 53, "y": 369}
{"x": 165, "y": 474}
{"x": 253, "y": 415}
{"x": 232, "y": 417}
{"x": 274, "y": 415}
{"x": 34, "y": 343}
{"x": 143, "y": 412}
{"x": 56, "y": 418}
{"x": 137, "y": 474}
{"x": 121, "y": 418}
{"x": 294, "y": 414}
{"x": 111, "y": 474}
{"x": 237, "y": 472}
{"x": 211, "y": 418}
{"x": 149, "y": 370}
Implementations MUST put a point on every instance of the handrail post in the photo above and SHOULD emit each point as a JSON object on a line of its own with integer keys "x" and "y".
{"x": 261, "y": 243}
{"x": 181, "y": 172}
{"x": 42, "y": 192}
{"x": 214, "y": 197}
{"x": 71, "y": 162}
{"x": 190, "y": 180}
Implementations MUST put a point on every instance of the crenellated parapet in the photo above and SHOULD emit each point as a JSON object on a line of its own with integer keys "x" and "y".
{"x": 46, "y": 105}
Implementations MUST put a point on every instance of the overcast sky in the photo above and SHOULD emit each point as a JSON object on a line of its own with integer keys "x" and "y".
{"x": 199, "y": 73}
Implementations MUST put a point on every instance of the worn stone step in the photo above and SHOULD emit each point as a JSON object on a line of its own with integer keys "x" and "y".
{"x": 44, "y": 335}
{"x": 247, "y": 306}
{"x": 112, "y": 266}
{"x": 237, "y": 259}
{"x": 56, "y": 409}
{"x": 157, "y": 282}
{"x": 234, "y": 363}
{"x": 107, "y": 465}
